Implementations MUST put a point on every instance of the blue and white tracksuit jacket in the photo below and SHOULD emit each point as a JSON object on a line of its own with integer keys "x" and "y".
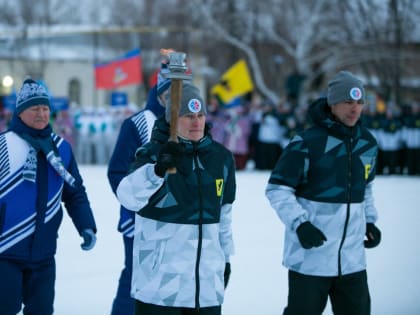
{"x": 31, "y": 211}
{"x": 134, "y": 133}
{"x": 325, "y": 176}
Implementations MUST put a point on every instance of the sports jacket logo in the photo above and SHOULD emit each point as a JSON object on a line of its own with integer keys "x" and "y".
{"x": 219, "y": 187}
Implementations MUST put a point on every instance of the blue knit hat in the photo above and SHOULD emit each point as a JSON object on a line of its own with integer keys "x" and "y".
{"x": 31, "y": 94}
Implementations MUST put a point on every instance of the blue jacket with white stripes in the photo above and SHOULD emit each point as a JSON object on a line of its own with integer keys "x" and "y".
{"x": 135, "y": 132}
{"x": 31, "y": 210}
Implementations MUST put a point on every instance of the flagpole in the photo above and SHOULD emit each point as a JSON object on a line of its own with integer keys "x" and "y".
{"x": 95, "y": 61}
{"x": 139, "y": 91}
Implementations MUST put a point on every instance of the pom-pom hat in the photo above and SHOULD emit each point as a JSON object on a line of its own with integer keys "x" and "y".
{"x": 31, "y": 94}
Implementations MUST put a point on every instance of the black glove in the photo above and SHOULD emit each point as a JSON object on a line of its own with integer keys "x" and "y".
{"x": 227, "y": 274}
{"x": 373, "y": 235}
{"x": 169, "y": 157}
{"x": 309, "y": 235}
{"x": 89, "y": 239}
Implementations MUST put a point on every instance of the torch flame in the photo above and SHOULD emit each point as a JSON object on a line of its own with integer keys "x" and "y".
{"x": 166, "y": 51}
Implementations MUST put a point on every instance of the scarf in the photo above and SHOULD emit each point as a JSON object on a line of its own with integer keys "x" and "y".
{"x": 40, "y": 141}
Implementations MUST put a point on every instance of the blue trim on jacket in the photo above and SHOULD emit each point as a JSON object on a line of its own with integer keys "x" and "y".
{"x": 133, "y": 134}
{"x": 31, "y": 212}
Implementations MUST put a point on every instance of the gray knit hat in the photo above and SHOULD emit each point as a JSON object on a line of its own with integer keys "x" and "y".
{"x": 343, "y": 87}
{"x": 31, "y": 94}
{"x": 191, "y": 101}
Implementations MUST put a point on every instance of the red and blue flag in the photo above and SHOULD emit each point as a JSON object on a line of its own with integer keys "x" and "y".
{"x": 126, "y": 70}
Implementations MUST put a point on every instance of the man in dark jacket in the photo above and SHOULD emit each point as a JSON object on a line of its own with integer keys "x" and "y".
{"x": 321, "y": 188}
{"x": 37, "y": 173}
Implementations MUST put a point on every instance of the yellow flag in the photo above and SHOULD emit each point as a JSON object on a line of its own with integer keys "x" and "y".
{"x": 236, "y": 81}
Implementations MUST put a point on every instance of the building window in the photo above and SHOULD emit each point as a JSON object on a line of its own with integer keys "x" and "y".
{"x": 74, "y": 91}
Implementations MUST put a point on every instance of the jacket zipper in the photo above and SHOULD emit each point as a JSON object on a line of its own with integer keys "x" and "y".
{"x": 346, "y": 222}
{"x": 200, "y": 231}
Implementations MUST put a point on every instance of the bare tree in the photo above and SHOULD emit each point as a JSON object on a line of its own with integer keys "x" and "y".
{"x": 314, "y": 37}
{"x": 205, "y": 10}
{"x": 378, "y": 34}
{"x": 278, "y": 38}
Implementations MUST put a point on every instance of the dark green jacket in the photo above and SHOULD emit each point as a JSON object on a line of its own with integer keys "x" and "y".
{"x": 324, "y": 175}
{"x": 183, "y": 235}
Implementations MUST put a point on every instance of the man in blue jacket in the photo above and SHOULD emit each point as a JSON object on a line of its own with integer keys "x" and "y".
{"x": 134, "y": 133}
{"x": 37, "y": 173}
{"x": 321, "y": 188}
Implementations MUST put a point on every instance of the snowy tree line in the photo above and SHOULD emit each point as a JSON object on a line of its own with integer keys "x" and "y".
{"x": 377, "y": 39}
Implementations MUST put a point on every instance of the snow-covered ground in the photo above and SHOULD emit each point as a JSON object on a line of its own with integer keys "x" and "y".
{"x": 86, "y": 281}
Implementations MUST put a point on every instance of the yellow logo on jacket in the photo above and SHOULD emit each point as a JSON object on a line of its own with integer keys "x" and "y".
{"x": 367, "y": 170}
{"x": 219, "y": 187}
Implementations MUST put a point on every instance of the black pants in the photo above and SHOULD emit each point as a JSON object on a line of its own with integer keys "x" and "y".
{"x": 266, "y": 155}
{"x": 152, "y": 309}
{"x": 413, "y": 161}
{"x": 28, "y": 283}
{"x": 123, "y": 303}
{"x": 308, "y": 295}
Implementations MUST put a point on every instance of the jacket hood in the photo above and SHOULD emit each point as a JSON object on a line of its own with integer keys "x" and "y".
{"x": 153, "y": 104}
{"x": 320, "y": 114}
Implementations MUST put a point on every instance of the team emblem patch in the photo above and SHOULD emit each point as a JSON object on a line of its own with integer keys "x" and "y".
{"x": 355, "y": 94}
{"x": 368, "y": 167}
{"x": 194, "y": 105}
{"x": 219, "y": 187}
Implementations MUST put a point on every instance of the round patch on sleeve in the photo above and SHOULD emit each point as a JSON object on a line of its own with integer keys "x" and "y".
{"x": 355, "y": 94}
{"x": 194, "y": 105}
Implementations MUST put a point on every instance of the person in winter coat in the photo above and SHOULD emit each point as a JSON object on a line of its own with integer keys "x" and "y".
{"x": 135, "y": 132}
{"x": 321, "y": 188}
{"x": 270, "y": 134}
{"x": 183, "y": 237}
{"x": 37, "y": 173}
{"x": 411, "y": 138}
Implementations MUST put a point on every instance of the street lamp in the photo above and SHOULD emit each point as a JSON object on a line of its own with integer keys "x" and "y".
{"x": 7, "y": 81}
{"x": 6, "y": 85}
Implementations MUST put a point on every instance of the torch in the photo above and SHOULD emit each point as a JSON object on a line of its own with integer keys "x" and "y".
{"x": 177, "y": 68}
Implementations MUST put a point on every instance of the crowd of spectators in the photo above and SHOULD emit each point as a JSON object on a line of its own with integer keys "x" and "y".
{"x": 91, "y": 131}
{"x": 255, "y": 132}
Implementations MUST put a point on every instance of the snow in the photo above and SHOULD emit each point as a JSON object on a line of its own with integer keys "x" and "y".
{"x": 87, "y": 281}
